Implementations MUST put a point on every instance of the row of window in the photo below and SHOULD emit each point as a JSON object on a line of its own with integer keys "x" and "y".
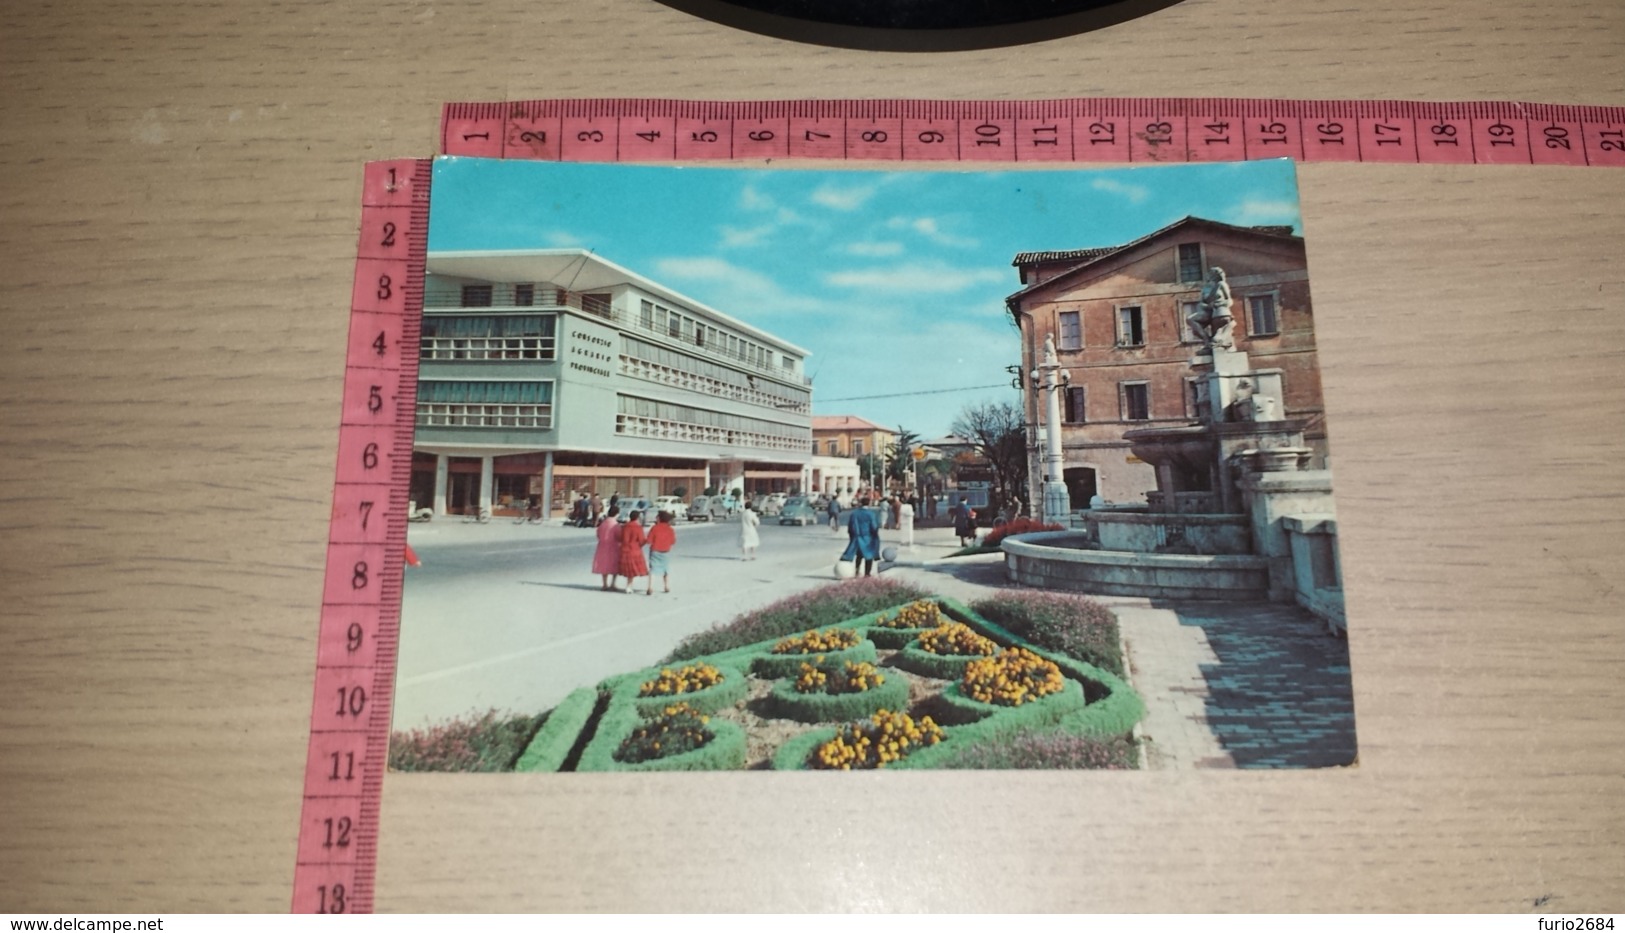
{"x": 833, "y": 448}
{"x": 1262, "y": 320}
{"x": 684, "y": 414}
{"x": 1133, "y": 402}
{"x": 680, "y": 326}
{"x": 682, "y": 362}
{"x": 505, "y": 337}
{"x": 466, "y": 404}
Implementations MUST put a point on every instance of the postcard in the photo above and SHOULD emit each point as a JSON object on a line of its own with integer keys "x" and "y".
{"x": 781, "y": 469}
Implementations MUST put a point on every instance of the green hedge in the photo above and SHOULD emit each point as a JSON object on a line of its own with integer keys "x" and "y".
{"x": 731, "y": 690}
{"x": 793, "y": 755}
{"x": 547, "y": 751}
{"x": 884, "y": 637}
{"x": 725, "y": 752}
{"x": 768, "y": 664}
{"x": 927, "y": 664}
{"x": 999, "y": 722}
{"x": 840, "y": 707}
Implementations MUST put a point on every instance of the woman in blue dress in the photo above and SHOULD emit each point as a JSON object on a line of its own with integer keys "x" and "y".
{"x": 863, "y": 534}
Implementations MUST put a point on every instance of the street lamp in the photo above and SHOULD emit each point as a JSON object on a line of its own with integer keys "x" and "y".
{"x": 1049, "y": 378}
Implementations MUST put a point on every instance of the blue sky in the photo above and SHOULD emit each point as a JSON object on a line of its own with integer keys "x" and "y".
{"x": 894, "y": 280}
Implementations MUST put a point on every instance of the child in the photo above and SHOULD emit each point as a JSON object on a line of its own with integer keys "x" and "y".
{"x": 661, "y": 538}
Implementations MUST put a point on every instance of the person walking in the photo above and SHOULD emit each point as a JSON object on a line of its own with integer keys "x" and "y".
{"x": 606, "y": 559}
{"x": 662, "y": 538}
{"x": 905, "y": 522}
{"x": 749, "y": 540}
{"x": 863, "y": 538}
{"x": 834, "y": 509}
{"x": 632, "y": 564}
{"x": 965, "y": 523}
{"x": 597, "y": 509}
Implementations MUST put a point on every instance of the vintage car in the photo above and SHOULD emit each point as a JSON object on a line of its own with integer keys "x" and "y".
{"x": 798, "y": 510}
{"x": 708, "y": 508}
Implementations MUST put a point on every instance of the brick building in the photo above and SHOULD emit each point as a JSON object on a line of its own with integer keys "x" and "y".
{"x": 1119, "y": 313}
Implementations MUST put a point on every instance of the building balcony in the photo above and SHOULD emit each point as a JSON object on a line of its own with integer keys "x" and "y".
{"x": 474, "y": 415}
{"x": 676, "y": 378}
{"x": 687, "y": 433}
{"x": 553, "y": 298}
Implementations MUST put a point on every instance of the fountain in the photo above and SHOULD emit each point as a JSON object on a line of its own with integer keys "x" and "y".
{"x": 1235, "y": 503}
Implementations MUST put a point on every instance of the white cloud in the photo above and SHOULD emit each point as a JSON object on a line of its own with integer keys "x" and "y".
{"x": 712, "y": 269}
{"x": 733, "y": 290}
{"x": 1133, "y": 193}
{"x": 1265, "y": 211}
{"x": 559, "y": 239}
{"x": 752, "y": 200}
{"x": 737, "y": 237}
{"x": 929, "y": 228}
{"x": 875, "y": 248}
{"x": 842, "y": 199}
{"x": 916, "y": 278}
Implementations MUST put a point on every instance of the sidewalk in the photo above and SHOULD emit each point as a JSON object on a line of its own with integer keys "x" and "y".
{"x": 1226, "y": 685}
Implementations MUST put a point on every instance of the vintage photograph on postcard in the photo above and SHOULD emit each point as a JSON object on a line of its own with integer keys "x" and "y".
{"x": 727, "y": 468}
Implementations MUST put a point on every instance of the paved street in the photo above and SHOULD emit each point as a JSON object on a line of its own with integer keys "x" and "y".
{"x": 510, "y": 616}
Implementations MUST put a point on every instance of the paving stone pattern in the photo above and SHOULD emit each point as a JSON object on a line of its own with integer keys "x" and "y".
{"x": 1264, "y": 681}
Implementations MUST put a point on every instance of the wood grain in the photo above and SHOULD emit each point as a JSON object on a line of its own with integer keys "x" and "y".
{"x": 180, "y": 194}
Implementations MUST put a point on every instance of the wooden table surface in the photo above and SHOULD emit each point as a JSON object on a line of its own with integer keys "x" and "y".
{"x": 180, "y": 201}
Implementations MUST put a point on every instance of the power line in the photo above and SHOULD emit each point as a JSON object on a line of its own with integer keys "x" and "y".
{"x": 864, "y": 398}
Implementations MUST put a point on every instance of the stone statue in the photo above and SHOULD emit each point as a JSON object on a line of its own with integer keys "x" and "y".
{"x": 1211, "y": 320}
{"x": 1251, "y": 405}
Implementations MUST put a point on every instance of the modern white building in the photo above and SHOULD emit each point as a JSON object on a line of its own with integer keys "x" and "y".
{"x": 544, "y": 373}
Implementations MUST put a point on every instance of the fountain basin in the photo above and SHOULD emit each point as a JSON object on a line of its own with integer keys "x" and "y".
{"x": 1144, "y": 531}
{"x": 1064, "y": 560}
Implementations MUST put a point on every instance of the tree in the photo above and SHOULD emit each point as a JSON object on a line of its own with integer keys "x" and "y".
{"x": 997, "y": 432}
{"x": 901, "y": 454}
{"x": 869, "y": 468}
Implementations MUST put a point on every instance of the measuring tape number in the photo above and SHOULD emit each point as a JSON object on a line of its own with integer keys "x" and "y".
{"x": 366, "y": 547}
{"x": 1079, "y": 130}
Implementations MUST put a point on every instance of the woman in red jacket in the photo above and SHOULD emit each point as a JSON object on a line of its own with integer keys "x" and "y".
{"x": 632, "y": 563}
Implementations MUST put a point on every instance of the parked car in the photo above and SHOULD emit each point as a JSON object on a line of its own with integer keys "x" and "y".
{"x": 672, "y": 504}
{"x": 630, "y": 504}
{"x": 772, "y": 504}
{"x": 798, "y": 511}
{"x": 708, "y": 508}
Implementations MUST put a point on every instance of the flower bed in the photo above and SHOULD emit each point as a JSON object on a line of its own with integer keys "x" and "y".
{"x": 1013, "y": 677}
{"x": 760, "y": 718}
{"x": 944, "y": 651}
{"x": 724, "y": 750}
{"x": 788, "y": 665}
{"x": 824, "y": 705}
{"x": 896, "y": 629}
{"x": 885, "y": 739}
{"x": 706, "y": 687}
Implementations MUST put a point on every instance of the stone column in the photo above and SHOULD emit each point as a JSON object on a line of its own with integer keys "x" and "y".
{"x": 442, "y": 476}
{"x": 547, "y": 487}
{"x": 485, "y": 484}
{"x": 1050, "y": 378}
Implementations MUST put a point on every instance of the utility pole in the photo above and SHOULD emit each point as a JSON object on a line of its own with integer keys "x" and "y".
{"x": 1049, "y": 378}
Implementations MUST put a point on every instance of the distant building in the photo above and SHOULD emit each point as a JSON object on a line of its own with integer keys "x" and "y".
{"x": 1119, "y": 313}
{"x": 547, "y": 372}
{"x": 850, "y": 436}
